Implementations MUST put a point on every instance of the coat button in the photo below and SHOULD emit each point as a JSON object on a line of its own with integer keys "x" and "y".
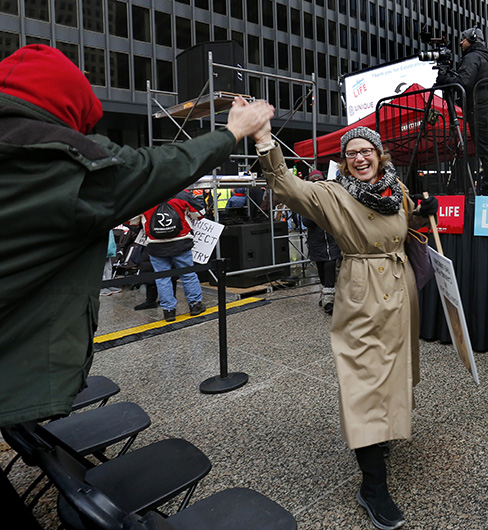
{"x": 371, "y": 216}
{"x": 377, "y": 244}
{"x": 381, "y": 269}
{"x": 386, "y": 296}
{"x": 396, "y": 239}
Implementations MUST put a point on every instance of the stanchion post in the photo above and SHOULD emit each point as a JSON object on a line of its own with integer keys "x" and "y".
{"x": 225, "y": 381}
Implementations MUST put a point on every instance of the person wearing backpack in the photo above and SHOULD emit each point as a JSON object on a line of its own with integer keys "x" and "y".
{"x": 169, "y": 244}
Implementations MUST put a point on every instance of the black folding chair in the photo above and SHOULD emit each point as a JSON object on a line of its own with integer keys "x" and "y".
{"x": 231, "y": 509}
{"x": 98, "y": 390}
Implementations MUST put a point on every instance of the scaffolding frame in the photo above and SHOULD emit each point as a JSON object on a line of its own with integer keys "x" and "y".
{"x": 209, "y": 103}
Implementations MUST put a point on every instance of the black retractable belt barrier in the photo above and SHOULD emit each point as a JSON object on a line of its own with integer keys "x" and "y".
{"x": 225, "y": 381}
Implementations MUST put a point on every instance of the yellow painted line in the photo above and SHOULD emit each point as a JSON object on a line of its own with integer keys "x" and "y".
{"x": 162, "y": 323}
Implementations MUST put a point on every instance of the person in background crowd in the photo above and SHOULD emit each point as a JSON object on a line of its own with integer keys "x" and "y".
{"x": 237, "y": 200}
{"x": 323, "y": 250}
{"x": 472, "y": 68}
{"x": 174, "y": 249}
{"x": 375, "y": 328}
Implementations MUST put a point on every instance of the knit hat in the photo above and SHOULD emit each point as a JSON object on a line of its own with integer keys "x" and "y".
{"x": 315, "y": 175}
{"x": 361, "y": 132}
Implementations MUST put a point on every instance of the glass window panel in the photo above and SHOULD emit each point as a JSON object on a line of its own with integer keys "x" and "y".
{"x": 354, "y": 40}
{"x": 165, "y": 75}
{"x": 29, "y": 39}
{"x": 283, "y": 56}
{"x": 342, "y": 6}
{"x": 164, "y": 31}
{"x": 374, "y": 45}
{"x": 36, "y": 10}
{"x": 71, "y": 51}
{"x": 10, "y": 7}
{"x": 353, "y": 8}
{"x": 282, "y": 17}
{"x": 295, "y": 21}
{"x": 331, "y": 4}
{"x": 238, "y": 37}
{"x": 141, "y": 29}
{"x": 296, "y": 59}
{"x": 142, "y": 72}
{"x": 271, "y": 92}
{"x": 308, "y": 25}
{"x": 187, "y": 2}
{"x": 322, "y": 101}
{"x": 269, "y": 53}
{"x": 255, "y": 85}
{"x": 309, "y": 62}
{"x": 253, "y": 49}
{"x": 95, "y": 65}
{"x": 202, "y": 32}
{"x": 297, "y": 96}
{"x": 202, "y": 4}
{"x": 268, "y": 13}
{"x": 332, "y": 33}
{"x": 117, "y": 18}
{"x": 253, "y": 11}
{"x": 322, "y": 65}
{"x": 93, "y": 15}
{"x": 220, "y": 33}
{"x": 284, "y": 95}
{"x": 220, "y": 6}
{"x": 343, "y": 35}
{"x": 119, "y": 70}
{"x": 9, "y": 42}
{"x": 236, "y": 10}
{"x": 334, "y": 103}
{"x": 333, "y": 67}
{"x": 66, "y": 13}
{"x": 183, "y": 33}
{"x": 320, "y": 26}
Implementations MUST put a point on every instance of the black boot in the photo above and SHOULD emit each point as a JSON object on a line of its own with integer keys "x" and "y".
{"x": 373, "y": 493}
{"x": 151, "y": 298}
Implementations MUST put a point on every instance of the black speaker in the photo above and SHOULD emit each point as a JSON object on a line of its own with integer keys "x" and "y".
{"x": 192, "y": 69}
{"x": 248, "y": 246}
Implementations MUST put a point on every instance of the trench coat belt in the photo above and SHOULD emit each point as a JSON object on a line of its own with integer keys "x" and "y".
{"x": 394, "y": 256}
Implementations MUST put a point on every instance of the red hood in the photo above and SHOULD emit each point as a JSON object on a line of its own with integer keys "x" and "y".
{"x": 45, "y": 77}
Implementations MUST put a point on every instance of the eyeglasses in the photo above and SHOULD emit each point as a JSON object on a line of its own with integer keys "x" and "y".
{"x": 362, "y": 152}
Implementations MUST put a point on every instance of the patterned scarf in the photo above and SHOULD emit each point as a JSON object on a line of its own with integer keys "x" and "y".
{"x": 370, "y": 194}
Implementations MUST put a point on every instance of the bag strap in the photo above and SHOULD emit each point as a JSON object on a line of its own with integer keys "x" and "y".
{"x": 405, "y": 202}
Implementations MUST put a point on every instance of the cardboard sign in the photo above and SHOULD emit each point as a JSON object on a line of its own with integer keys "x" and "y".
{"x": 453, "y": 310}
{"x": 450, "y": 214}
{"x": 206, "y": 233}
{"x": 481, "y": 216}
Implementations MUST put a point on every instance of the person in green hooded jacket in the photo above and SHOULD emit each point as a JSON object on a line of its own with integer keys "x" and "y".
{"x": 61, "y": 193}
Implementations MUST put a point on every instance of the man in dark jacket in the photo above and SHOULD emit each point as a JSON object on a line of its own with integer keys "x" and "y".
{"x": 61, "y": 192}
{"x": 175, "y": 250}
{"x": 472, "y": 68}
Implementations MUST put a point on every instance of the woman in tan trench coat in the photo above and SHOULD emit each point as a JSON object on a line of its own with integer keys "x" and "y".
{"x": 374, "y": 332}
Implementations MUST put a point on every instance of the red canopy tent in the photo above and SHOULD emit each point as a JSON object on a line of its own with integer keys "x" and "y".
{"x": 400, "y": 119}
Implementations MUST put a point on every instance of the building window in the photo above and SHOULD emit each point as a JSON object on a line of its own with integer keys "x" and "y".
{"x": 343, "y": 35}
{"x": 238, "y": 37}
{"x": 95, "y": 65}
{"x": 271, "y": 89}
{"x": 30, "y": 39}
{"x": 236, "y": 9}
{"x": 183, "y": 33}
{"x": 353, "y": 8}
{"x": 142, "y": 72}
{"x": 354, "y": 40}
{"x": 332, "y": 33}
{"x": 363, "y": 10}
{"x": 374, "y": 45}
{"x": 296, "y": 59}
{"x": 141, "y": 29}
{"x": 282, "y": 17}
{"x": 295, "y": 21}
{"x": 117, "y": 18}
{"x": 163, "y": 29}
{"x": 342, "y": 6}
{"x": 308, "y": 25}
{"x": 284, "y": 95}
{"x": 283, "y": 56}
{"x": 9, "y": 42}
{"x": 323, "y": 101}
{"x": 220, "y": 6}
{"x": 93, "y": 15}
{"x": 268, "y": 14}
{"x": 333, "y": 67}
{"x": 253, "y": 11}
{"x": 382, "y": 17}
{"x": 309, "y": 62}
{"x": 269, "y": 53}
{"x": 37, "y": 10}
{"x": 164, "y": 72}
{"x": 202, "y": 4}
{"x": 255, "y": 87}
{"x": 297, "y": 96}
{"x": 372, "y": 13}
{"x": 364, "y": 42}
{"x": 220, "y": 33}
{"x": 202, "y": 32}
{"x": 66, "y": 13}
{"x": 331, "y": 4}
{"x": 334, "y": 103}
{"x": 9, "y": 7}
{"x": 253, "y": 49}
{"x": 320, "y": 27}
{"x": 71, "y": 51}
{"x": 119, "y": 70}
{"x": 322, "y": 65}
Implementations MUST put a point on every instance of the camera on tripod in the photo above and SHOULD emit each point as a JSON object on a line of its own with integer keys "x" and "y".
{"x": 441, "y": 54}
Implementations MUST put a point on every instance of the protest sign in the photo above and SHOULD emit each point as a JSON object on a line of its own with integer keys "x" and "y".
{"x": 206, "y": 233}
{"x": 453, "y": 309}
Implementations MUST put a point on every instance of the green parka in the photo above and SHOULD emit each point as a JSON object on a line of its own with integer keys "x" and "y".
{"x": 60, "y": 194}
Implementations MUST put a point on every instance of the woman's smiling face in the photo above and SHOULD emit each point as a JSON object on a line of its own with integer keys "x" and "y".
{"x": 364, "y": 168}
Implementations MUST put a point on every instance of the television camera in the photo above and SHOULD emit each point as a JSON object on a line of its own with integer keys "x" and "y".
{"x": 441, "y": 53}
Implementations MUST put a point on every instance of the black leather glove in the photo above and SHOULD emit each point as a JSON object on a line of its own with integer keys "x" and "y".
{"x": 428, "y": 206}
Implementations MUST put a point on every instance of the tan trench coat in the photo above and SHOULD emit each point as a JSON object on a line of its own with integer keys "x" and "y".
{"x": 375, "y": 330}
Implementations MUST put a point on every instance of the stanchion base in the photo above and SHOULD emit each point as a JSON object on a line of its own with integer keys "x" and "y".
{"x": 219, "y": 385}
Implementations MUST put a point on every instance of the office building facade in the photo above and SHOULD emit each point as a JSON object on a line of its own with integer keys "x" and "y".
{"x": 121, "y": 44}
